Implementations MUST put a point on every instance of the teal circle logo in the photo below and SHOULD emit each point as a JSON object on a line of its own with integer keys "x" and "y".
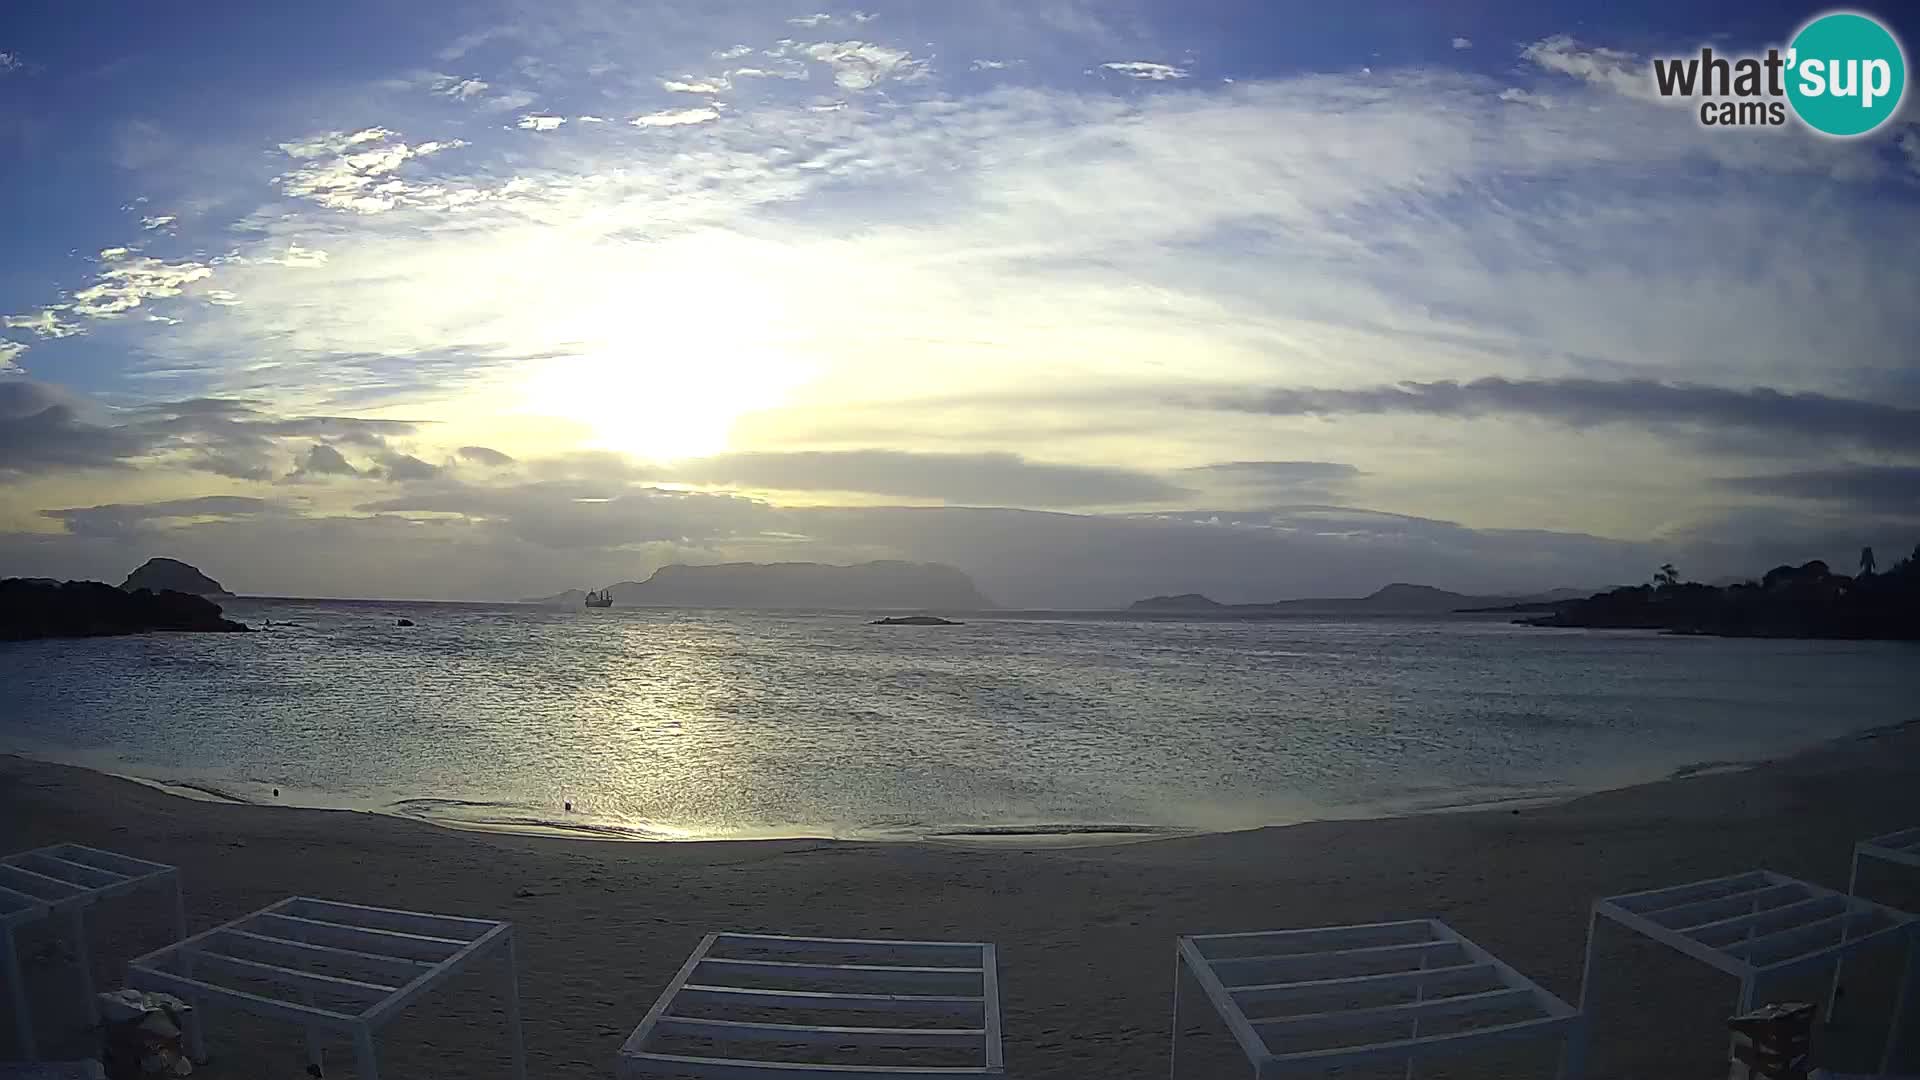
{"x": 1846, "y": 74}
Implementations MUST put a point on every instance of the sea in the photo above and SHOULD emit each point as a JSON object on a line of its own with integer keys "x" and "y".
{"x": 660, "y": 724}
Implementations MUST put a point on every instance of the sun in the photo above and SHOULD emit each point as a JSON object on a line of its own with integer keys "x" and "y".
{"x": 658, "y": 410}
{"x": 662, "y": 364}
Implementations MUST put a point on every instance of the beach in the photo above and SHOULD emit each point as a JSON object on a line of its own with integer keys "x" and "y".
{"x": 1085, "y": 934}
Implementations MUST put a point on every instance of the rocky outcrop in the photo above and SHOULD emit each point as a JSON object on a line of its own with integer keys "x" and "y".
{"x": 915, "y": 620}
{"x": 38, "y": 609}
{"x": 163, "y": 575}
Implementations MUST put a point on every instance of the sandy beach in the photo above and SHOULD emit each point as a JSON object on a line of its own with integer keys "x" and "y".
{"x": 1085, "y": 934}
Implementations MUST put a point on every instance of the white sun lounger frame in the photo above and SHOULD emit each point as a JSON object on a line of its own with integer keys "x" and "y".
{"x": 1698, "y": 918}
{"x": 894, "y": 989}
{"x": 1899, "y": 848}
{"x": 1280, "y": 965}
{"x": 404, "y": 953}
{"x": 65, "y": 880}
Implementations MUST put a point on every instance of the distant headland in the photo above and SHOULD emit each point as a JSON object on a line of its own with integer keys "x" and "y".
{"x": 1398, "y": 598}
{"x": 882, "y": 585}
{"x": 1805, "y": 601}
{"x": 33, "y": 608}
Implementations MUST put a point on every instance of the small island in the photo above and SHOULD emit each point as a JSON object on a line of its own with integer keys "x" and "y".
{"x": 172, "y": 575}
{"x": 39, "y": 608}
{"x": 914, "y": 620}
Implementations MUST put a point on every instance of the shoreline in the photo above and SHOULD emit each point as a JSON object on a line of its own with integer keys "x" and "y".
{"x": 991, "y": 834}
{"x": 1084, "y": 933}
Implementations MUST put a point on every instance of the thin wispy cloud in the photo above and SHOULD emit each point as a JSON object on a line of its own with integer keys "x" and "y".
{"x": 1144, "y": 69}
{"x": 676, "y": 117}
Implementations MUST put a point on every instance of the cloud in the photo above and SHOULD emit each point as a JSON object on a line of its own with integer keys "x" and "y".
{"x": 484, "y": 455}
{"x": 534, "y": 122}
{"x": 45, "y": 323}
{"x": 128, "y": 519}
{"x": 1293, "y": 480}
{"x": 810, "y": 20}
{"x": 358, "y": 171}
{"x": 459, "y": 89}
{"x": 991, "y": 479}
{"x": 323, "y": 460}
{"x": 1525, "y": 97}
{"x": 10, "y": 62}
{"x": 1144, "y": 69}
{"x": 1874, "y": 488}
{"x": 509, "y": 101}
{"x": 41, "y": 428}
{"x": 1611, "y": 69}
{"x": 44, "y": 428}
{"x": 676, "y": 117}
{"x": 697, "y": 85}
{"x": 405, "y": 467}
{"x": 786, "y": 69}
{"x": 10, "y": 354}
{"x": 157, "y": 221}
{"x": 1462, "y": 43}
{"x": 733, "y": 53}
{"x": 859, "y": 65}
{"x": 1584, "y": 402}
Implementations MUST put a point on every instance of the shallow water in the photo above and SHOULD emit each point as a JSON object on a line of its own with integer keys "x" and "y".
{"x": 690, "y": 724}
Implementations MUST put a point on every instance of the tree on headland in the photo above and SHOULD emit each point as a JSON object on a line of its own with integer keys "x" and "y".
{"x": 1808, "y": 600}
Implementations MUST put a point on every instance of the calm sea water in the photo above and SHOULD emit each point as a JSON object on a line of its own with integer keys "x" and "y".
{"x": 674, "y": 724}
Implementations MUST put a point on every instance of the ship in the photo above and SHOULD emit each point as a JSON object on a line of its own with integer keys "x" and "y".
{"x": 603, "y": 598}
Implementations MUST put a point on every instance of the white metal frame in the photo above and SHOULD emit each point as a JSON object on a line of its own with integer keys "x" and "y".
{"x": 1426, "y": 957}
{"x": 65, "y": 880}
{"x": 1759, "y": 926}
{"x": 956, "y": 982}
{"x": 307, "y": 948}
{"x": 1900, "y": 848}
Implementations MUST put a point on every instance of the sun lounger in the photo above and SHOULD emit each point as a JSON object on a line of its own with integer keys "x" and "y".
{"x": 1758, "y": 927}
{"x": 332, "y": 968}
{"x": 939, "y": 1002}
{"x": 1383, "y": 993}
{"x": 61, "y": 882}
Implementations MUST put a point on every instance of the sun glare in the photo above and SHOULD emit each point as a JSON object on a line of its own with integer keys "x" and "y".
{"x": 665, "y": 363}
{"x": 655, "y": 411}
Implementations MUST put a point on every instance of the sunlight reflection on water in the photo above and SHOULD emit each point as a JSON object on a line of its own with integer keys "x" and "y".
{"x": 677, "y": 724}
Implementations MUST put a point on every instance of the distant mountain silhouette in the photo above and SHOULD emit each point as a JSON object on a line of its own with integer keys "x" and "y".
{"x": 883, "y": 585}
{"x": 1192, "y": 601}
{"x": 41, "y": 609}
{"x": 570, "y": 598}
{"x": 1399, "y": 598}
{"x": 171, "y": 574}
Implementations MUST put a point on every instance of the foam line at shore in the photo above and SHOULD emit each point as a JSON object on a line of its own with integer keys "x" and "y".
{"x": 517, "y": 819}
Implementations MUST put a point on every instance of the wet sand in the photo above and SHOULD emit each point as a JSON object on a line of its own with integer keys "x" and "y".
{"x": 1085, "y": 934}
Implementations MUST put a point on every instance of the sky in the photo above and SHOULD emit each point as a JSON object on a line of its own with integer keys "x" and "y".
{"x": 1091, "y": 300}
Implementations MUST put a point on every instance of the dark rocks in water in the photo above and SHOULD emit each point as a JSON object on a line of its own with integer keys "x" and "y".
{"x": 33, "y": 609}
{"x": 162, "y": 575}
{"x": 404, "y": 622}
{"x": 915, "y": 620}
